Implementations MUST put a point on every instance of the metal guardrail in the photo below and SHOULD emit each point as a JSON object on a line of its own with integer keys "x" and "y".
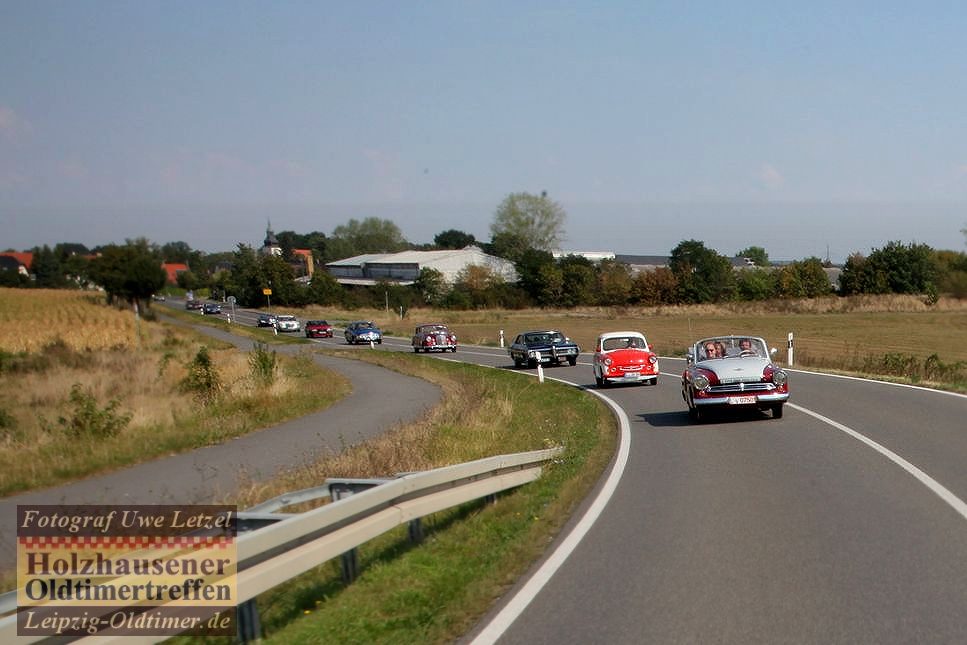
{"x": 290, "y": 544}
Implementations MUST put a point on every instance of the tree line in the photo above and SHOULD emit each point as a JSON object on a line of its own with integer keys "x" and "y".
{"x": 525, "y": 229}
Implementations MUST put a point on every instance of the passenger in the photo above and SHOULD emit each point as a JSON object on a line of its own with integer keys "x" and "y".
{"x": 711, "y": 351}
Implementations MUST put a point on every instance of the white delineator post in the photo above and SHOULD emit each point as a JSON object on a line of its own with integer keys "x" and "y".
{"x": 789, "y": 350}
{"x": 540, "y": 370}
{"x": 501, "y": 337}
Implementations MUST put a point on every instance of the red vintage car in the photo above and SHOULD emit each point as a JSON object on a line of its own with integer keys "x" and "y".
{"x": 434, "y": 336}
{"x": 624, "y": 357}
{"x": 318, "y": 329}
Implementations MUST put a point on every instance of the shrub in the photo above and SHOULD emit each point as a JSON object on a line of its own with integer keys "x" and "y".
{"x": 202, "y": 379}
{"x": 264, "y": 364}
{"x": 88, "y": 420}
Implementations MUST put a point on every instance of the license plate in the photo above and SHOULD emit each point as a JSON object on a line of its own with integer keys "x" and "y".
{"x": 632, "y": 374}
{"x": 741, "y": 400}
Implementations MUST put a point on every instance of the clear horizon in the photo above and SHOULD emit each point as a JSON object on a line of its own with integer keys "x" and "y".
{"x": 790, "y": 128}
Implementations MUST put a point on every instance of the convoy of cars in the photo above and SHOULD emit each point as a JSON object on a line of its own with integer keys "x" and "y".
{"x": 430, "y": 337}
{"x": 731, "y": 372}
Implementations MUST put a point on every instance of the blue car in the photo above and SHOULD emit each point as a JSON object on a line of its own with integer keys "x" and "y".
{"x": 363, "y": 331}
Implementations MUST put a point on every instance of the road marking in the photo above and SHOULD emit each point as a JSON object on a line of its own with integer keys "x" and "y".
{"x": 515, "y": 607}
{"x": 955, "y": 502}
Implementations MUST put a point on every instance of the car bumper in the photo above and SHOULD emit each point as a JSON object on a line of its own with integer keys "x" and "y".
{"x": 631, "y": 378}
{"x": 754, "y": 400}
{"x": 319, "y": 334}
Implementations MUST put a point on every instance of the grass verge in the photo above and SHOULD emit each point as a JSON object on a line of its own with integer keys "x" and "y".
{"x": 435, "y": 591}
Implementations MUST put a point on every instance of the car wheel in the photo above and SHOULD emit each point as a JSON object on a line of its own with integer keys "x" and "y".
{"x": 453, "y": 350}
{"x": 532, "y": 364}
{"x": 777, "y": 411}
{"x": 572, "y": 360}
{"x": 598, "y": 380}
{"x": 517, "y": 363}
{"x": 416, "y": 350}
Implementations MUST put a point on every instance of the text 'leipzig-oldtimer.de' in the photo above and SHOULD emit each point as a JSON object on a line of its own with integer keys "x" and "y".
{"x": 624, "y": 357}
{"x": 733, "y": 372}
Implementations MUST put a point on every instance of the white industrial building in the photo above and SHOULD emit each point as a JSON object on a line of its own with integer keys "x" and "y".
{"x": 404, "y": 268}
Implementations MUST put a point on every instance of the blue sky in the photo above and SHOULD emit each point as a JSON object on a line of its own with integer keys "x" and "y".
{"x": 798, "y": 127}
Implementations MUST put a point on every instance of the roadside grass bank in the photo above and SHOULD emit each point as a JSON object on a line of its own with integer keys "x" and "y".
{"x": 101, "y": 391}
{"x": 435, "y": 591}
{"x": 892, "y": 337}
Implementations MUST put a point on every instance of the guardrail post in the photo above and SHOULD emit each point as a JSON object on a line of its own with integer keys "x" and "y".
{"x": 247, "y": 618}
{"x": 416, "y": 531}
{"x": 350, "y": 566}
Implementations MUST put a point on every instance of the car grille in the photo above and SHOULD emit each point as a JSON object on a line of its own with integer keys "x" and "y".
{"x": 732, "y": 388}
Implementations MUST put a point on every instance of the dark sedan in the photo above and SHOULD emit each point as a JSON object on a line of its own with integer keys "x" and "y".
{"x": 550, "y": 346}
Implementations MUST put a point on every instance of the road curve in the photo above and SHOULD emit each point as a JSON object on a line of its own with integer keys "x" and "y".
{"x": 380, "y": 399}
{"x": 843, "y": 522}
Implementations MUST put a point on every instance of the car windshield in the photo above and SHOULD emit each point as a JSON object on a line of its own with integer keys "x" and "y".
{"x": 729, "y": 347}
{"x": 622, "y": 342}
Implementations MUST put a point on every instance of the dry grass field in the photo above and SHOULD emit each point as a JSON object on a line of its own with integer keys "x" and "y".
{"x": 52, "y": 342}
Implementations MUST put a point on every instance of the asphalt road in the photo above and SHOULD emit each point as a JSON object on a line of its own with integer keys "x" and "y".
{"x": 842, "y": 522}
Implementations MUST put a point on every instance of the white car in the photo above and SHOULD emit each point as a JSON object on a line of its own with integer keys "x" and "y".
{"x": 286, "y": 323}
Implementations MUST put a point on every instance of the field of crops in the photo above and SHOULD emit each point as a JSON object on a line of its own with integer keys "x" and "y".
{"x": 33, "y": 318}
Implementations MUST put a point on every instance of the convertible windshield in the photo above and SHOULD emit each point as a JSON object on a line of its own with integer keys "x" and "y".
{"x": 729, "y": 347}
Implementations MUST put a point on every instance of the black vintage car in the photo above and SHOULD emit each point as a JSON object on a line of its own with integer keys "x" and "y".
{"x": 543, "y": 346}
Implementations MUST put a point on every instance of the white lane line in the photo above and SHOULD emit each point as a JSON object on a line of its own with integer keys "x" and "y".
{"x": 955, "y": 502}
{"x": 503, "y": 620}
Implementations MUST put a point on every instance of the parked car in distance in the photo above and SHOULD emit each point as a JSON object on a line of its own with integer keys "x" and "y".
{"x": 193, "y": 305}
{"x": 211, "y": 308}
{"x": 434, "y": 336}
{"x": 732, "y": 372}
{"x": 286, "y": 323}
{"x": 265, "y": 320}
{"x": 543, "y": 346}
{"x": 318, "y": 329}
{"x": 363, "y": 331}
{"x": 624, "y": 357}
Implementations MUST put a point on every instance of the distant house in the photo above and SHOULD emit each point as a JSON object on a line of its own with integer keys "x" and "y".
{"x": 303, "y": 262}
{"x": 640, "y": 263}
{"x": 20, "y": 262}
{"x": 172, "y": 269}
{"x": 404, "y": 268}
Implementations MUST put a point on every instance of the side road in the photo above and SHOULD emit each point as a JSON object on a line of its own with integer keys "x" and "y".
{"x": 379, "y": 399}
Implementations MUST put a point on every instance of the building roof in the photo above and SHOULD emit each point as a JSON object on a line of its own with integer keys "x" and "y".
{"x": 25, "y": 258}
{"x": 173, "y": 269}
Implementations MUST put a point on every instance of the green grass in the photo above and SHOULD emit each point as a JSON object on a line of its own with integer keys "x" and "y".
{"x": 435, "y": 591}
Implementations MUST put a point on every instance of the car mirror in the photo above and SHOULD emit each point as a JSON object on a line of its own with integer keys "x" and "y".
{"x": 689, "y": 357}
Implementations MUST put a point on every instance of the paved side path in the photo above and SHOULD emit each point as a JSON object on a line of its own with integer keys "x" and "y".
{"x": 380, "y": 399}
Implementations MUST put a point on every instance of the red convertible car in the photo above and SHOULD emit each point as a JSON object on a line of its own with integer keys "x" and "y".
{"x": 624, "y": 357}
{"x": 733, "y": 372}
{"x": 434, "y": 336}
